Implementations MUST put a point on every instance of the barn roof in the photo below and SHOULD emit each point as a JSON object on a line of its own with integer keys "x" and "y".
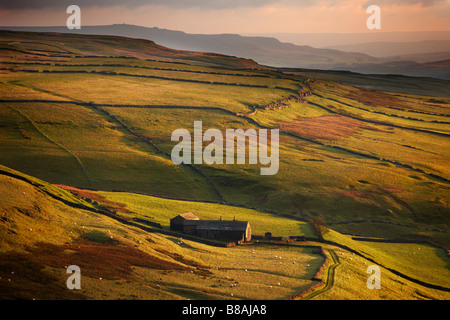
{"x": 188, "y": 216}
{"x": 190, "y": 219}
{"x": 222, "y": 225}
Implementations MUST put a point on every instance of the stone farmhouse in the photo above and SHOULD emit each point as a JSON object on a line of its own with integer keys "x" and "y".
{"x": 224, "y": 230}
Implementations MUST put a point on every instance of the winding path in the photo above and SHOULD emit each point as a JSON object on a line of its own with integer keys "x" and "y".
{"x": 330, "y": 277}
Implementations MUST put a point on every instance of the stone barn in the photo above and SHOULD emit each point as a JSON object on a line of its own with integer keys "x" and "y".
{"x": 185, "y": 222}
{"x": 224, "y": 230}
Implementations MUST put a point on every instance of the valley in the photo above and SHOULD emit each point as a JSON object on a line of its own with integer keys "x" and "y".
{"x": 85, "y": 166}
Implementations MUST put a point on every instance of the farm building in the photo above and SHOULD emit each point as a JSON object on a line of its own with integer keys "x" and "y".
{"x": 184, "y": 222}
{"x": 225, "y": 230}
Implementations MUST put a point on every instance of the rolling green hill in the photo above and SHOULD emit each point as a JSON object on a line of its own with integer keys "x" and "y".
{"x": 94, "y": 115}
{"x": 41, "y": 236}
{"x": 44, "y": 229}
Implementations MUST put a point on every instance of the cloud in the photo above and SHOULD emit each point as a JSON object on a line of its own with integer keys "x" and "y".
{"x": 423, "y": 3}
{"x": 178, "y": 4}
{"x": 205, "y": 4}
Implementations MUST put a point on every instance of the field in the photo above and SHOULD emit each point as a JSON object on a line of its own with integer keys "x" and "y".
{"x": 124, "y": 261}
{"x": 86, "y": 122}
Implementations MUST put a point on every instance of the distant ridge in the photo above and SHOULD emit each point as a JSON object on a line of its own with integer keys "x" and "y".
{"x": 264, "y": 50}
{"x": 119, "y": 46}
{"x": 268, "y": 51}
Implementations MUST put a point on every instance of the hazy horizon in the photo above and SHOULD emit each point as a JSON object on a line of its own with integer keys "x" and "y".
{"x": 318, "y": 40}
{"x": 241, "y": 17}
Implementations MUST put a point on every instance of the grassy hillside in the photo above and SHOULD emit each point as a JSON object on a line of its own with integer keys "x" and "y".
{"x": 98, "y": 113}
{"x": 60, "y": 45}
{"x": 384, "y": 82}
{"x": 42, "y": 236}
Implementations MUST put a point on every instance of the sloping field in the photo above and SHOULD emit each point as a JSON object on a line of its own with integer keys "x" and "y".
{"x": 98, "y": 113}
{"x": 41, "y": 236}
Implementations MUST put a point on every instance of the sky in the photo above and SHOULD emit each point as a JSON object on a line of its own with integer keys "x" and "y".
{"x": 236, "y": 16}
